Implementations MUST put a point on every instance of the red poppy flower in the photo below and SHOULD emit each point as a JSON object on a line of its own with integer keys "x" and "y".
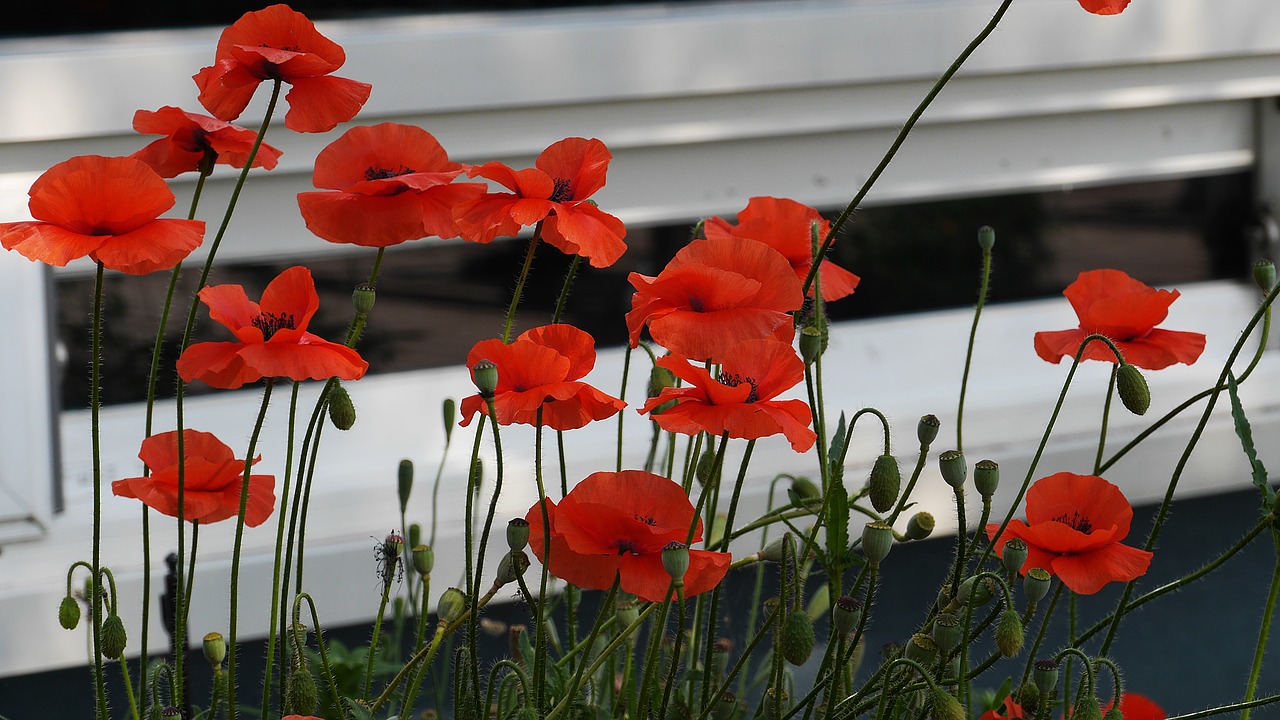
{"x": 107, "y": 209}
{"x": 278, "y": 43}
{"x": 554, "y": 192}
{"x": 785, "y": 225}
{"x": 1074, "y": 527}
{"x": 212, "y": 477}
{"x": 740, "y": 400}
{"x": 394, "y": 185}
{"x": 542, "y": 369}
{"x": 1111, "y": 303}
{"x": 1011, "y": 711}
{"x": 190, "y": 138}
{"x": 616, "y": 524}
{"x": 1104, "y": 7}
{"x": 271, "y": 338}
{"x": 714, "y": 294}
{"x": 1137, "y": 707}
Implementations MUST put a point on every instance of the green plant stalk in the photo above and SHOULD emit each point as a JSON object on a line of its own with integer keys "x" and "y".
{"x": 961, "y": 534}
{"x": 515, "y": 672}
{"x": 743, "y": 659}
{"x": 563, "y": 299}
{"x": 373, "y": 641}
{"x": 520, "y": 281}
{"x": 1224, "y": 709}
{"x": 95, "y": 401}
{"x": 622, "y": 395}
{"x": 124, "y": 663}
{"x": 1106, "y": 416}
{"x": 540, "y": 632}
{"x": 411, "y": 689}
{"x": 611, "y": 648}
{"x": 236, "y": 548}
{"x": 675, "y": 653}
{"x": 1040, "y": 634}
{"x": 320, "y": 645}
{"x": 191, "y": 564}
{"x": 983, "y": 287}
{"x": 596, "y": 627}
{"x": 1268, "y": 613}
{"x": 276, "y": 600}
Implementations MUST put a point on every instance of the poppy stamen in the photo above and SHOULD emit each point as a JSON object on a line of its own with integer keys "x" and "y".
{"x": 646, "y": 519}
{"x": 562, "y": 191}
{"x": 377, "y": 172}
{"x": 270, "y": 323}
{"x": 734, "y": 380}
{"x": 1076, "y": 521}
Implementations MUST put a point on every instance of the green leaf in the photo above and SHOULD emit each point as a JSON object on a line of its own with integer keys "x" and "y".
{"x": 839, "y": 442}
{"x": 837, "y": 525}
{"x": 819, "y": 604}
{"x": 1245, "y": 433}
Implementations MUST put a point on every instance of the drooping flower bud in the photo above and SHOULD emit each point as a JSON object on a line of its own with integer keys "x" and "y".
{"x": 300, "y": 691}
{"x": 113, "y": 637}
{"x": 517, "y": 533}
{"x": 953, "y": 468}
{"x": 675, "y": 560}
{"x": 660, "y": 379}
{"x": 847, "y": 613}
{"x": 1014, "y": 555}
{"x": 1009, "y": 633}
{"x": 342, "y": 412}
{"x": 986, "y": 237}
{"x": 877, "y": 541}
{"x": 1088, "y": 709}
{"x": 1113, "y": 713}
{"x": 920, "y": 526}
{"x": 452, "y": 605}
{"x": 485, "y": 375}
{"x": 215, "y": 649}
{"x": 944, "y": 706}
{"x": 69, "y": 613}
{"x": 986, "y": 477}
{"x": 1132, "y": 388}
{"x": 424, "y": 559}
{"x": 705, "y": 469}
{"x": 981, "y": 591}
{"x": 885, "y": 482}
{"x": 927, "y": 429}
{"x": 511, "y": 567}
{"x": 947, "y": 632}
{"x": 1036, "y": 584}
{"x": 803, "y": 489}
{"x": 362, "y": 298}
{"x": 773, "y": 551}
{"x": 1264, "y": 274}
{"x": 1045, "y": 676}
{"x": 796, "y": 639}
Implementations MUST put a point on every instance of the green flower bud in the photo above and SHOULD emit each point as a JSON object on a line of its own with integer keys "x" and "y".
{"x": 953, "y": 468}
{"x": 404, "y": 482}
{"x": 802, "y": 489}
{"x": 660, "y": 379}
{"x": 452, "y": 605}
{"x": 113, "y": 637}
{"x": 1133, "y": 389}
{"x": 342, "y": 412}
{"x": 922, "y": 649}
{"x": 944, "y": 706}
{"x": 1264, "y": 274}
{"x": 424, "y": 559}
{"x": 986, "y": 477}
{"x": 705, "y": 468}
{"x": 981, "y": 590}
{"x": 920, "y": 526}
{"x": 511, "y": 567}
{"x": 215, "y": 649}
{"x": 69, "y": 613}
{"x": 1045, "y": 676}
{"x": 927, "y": 429}
{"x": 1014, "y": 555}
{"x": 415, "y": 536}
{"x": 1036, "y": 584}
{"x": 986, "y": 238}
{"x": 1113, "y": 713}
{"x": 947, "y": 632}
{"x": 877, "y": 541}
{"x": 1088, "y": 709}
{"x": 485, "y": 375}
{"x": 517, "y": 533}
{"x": 1028, "y": 696}
{"x": 885, "y": 482}
{"x": 847, "y": 613}
{"x": 362, "y": 298}
{"x": 1009, "y": 633}
{"x": 796, "y": 639}
{"x": 300, "y": 691}
{"x": 811, "y": 344}
{"x": 675, "y": 560}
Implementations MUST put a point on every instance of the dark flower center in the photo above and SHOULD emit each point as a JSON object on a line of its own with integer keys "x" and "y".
{"x": 269, "y": 323}
{"x": 646, "y": 519}
{"x": 626, "y": 546}
{"x": 734, "y": 380}
{"x": 1076, "y": 521}
{"x": 697, "y": 305}
{"x": 562, "y": 191}
{"x": 377, "y": 172}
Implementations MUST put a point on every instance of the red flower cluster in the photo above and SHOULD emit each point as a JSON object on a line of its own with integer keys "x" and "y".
{"x": 1109, "y": 302}
{"x": 212, "y": 477}
{"x": 192, "y": 141}
{"x": 1073, "y": 530}
{"x": 393, "y": 183}
{"x": 555, "y": 193}
{"x": 279, "y": 43}
{"x": 740, "y": 400}
{"x": 542, "y": 370}
{"x": 1132, "y": 707}
{"x": 271, "y": 338}
{"x": 106, "y": 209}
{"x": 616, "y": 525}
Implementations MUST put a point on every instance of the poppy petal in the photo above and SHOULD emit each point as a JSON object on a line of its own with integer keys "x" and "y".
{"x": 292, "y": 293}
{"x": 318, "y": 104}
{"x": 1065, "y": 496}
{"x": 47, "y": 243}
{"x": 217, "y": 364}
{"x": 226, "y": 87}
{"x": 304, "y": 361}
{"x": 366, "y": 220}
{"x": 1104, "y": 7}
{"x": 1086, "y": 573}
{"x": 586, "y": 230}
{"x": 580, "y": 163}
{"x": 158, "y": 245}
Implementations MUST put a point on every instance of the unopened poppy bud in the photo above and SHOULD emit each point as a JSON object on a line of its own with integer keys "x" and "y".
{"x": 1045, "y": 676}
{"x": 485, "y": 375}
{"x": 773, "y": 551}
{"x": 404, "y": 482}
{"x": 1014, "y": 554}
{"x": 776, "y": 702}
{"x": 511, "y": 567}
{"x": 921, "y": 648}
{"x": 1088, "y": 709}
{"x": 877, "y": 541}
{"x": 452, "y": 605}
{"x": 113, "y": 637}
{"x": 927, "y": 429}
{"x": 986, "y": 237}
{"x": 920, "y": 526}
{"x": 215, "y": 649}
{"x": 705, "y": 469}
{"x": 947, "y": 632}
{"x": 802, "y": 489}
{"x": 1028, "y": 696}
{"x": 796, "y": 639}
{"x": 953, "y": 468}
{"x": 301, "y": 633}
{"x": 675, "y": 560}
{"x": 886, "y": 480}
{"x": 69, "y": 613}
{"x": 981, "y": 590}
{"x": 424, "y": 559}
{"x": 300, "y": 691}
{"x": 414, "y": 538}
{"x": 1009, "y": 633}
{"x": 847, "y": 613}
{"x": 986, "y": 477}
{"x": 1113, "y": 713}
{"x": 362, "y": 298}
{"x": 660, "y": 379}
{"x": 517, "y": 533}
{"x": 944, "y": 706}
{"x": 342, "y": 412}
{"x": 1264, "y": 274}
{"x": 449, "y": 411}
{"x": 1132, "y": 388}
{"x": 1036, "y": 584}
{"x": 811, "y": 344}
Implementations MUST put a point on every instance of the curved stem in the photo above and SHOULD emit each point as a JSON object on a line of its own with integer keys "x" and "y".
{"x": 968, "y": 354}
{"x": 276, "y": 601}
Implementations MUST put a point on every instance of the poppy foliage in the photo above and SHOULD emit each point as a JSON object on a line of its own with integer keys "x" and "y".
{"x": 279, "y": 43}
{"x": 740, "y": 399}
{"x": 393, "y": 184}
{"x": 107, "y": 209}
{"x": 212, "y": 477}
{"x": 787, "y": 226}
{"x": 1104, "y": 7}
{"x": 616, "y": 524}
{"x": 542, "y": 370}
{"x": 1111, "y": 303}
{"x": 195, "y": 142}
{"x": 555, "y": 192}
{"x": 271, "y": 338}
{"x": 1073, "y": 530}
{"x": 714, "y": 294}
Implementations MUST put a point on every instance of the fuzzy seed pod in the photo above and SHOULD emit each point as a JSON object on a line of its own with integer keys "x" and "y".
{"x": 885, "y": 482}
{"x": 342, "y": 412}
{"x": 113, "y": 637}
{"x": 795, "y": 641}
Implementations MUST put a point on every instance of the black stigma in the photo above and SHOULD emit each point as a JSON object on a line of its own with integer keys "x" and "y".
{"x": 377, "y": 172}
{"x": 1077, "y": 521}
{"x": 269, "y": 323}
{"x": 646, "y": 519}
{"x": 625, "y": 547}
{"x": 734, "y": 380}
{"x": 562, "y": 191}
